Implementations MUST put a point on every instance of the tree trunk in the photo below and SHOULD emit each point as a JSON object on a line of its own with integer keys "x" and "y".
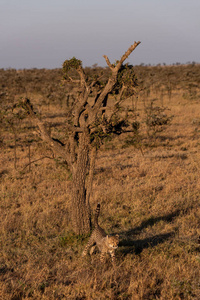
{"x": 80, "y": 157}
{"x": 80, "y": 210}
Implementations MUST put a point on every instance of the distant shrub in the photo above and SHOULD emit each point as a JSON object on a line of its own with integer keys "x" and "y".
{"x": 156, "y": 119}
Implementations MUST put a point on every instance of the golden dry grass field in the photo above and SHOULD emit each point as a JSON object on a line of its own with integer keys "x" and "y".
{"x": 151, "y": 198}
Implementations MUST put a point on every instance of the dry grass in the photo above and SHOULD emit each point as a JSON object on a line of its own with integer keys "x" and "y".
{"x": 151, "y": 201}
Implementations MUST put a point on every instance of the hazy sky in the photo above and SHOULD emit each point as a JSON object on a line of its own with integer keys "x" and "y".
{"x": 43, "y": 33}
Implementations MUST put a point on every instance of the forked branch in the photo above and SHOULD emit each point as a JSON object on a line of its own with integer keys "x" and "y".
{"x": 123, "y": 58}
{"x": 126, "y": 55}
{"x": 111, "y": 82}
{"x": 108, "y": 62}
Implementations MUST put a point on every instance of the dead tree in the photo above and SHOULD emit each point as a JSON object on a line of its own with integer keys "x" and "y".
{"x": 88, "y": 124}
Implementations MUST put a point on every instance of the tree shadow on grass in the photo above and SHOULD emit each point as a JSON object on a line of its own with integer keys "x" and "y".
{"x": 137, "y": 246}
{"x": 129, "y": 244}
{"x": 151, "y": 221}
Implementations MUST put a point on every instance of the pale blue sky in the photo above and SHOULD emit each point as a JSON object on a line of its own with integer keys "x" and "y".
{"x": 43, "y": 33}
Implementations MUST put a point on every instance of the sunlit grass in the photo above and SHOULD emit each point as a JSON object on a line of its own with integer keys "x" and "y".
{"x": 150, "y": 199}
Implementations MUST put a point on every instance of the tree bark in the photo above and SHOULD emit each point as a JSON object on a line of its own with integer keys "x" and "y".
{"x": 80, "y": 210}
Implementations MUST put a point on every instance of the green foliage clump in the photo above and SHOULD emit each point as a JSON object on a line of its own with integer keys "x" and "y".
{"x": 70, "y": 64}
{"x": 105, "y": 129}
{"x": 126, "y": 78}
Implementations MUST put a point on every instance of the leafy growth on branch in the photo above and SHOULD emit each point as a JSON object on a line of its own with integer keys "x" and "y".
{"x": 69, "y": 65}
{"x": 126, "y": 80}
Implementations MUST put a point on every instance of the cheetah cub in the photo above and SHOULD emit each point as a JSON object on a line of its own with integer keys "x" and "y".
{"x": 105, "y": 243}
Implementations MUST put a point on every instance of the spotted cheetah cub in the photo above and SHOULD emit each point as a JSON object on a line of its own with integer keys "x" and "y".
{"x": 105, "y": 243}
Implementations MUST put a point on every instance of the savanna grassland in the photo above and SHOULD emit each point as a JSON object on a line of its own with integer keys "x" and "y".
{"x": 148, "y": 185}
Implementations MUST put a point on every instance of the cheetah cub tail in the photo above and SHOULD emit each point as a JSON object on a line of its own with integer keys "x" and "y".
{"x": 96, "y": 216}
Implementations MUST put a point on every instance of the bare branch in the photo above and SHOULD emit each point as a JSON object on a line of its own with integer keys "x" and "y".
{"x": 108, "y": 62}
{"x": 126, "y": 54}
{"x": 82, "y": 77}
{"x": 73, "y": 80}
{"x": 95, "y": 81}
{"x": 123, "y": 58}
{"x": 105, "y": 108}
{"x": 82, "y": 100}
{"x": 111, "y": 82}
{"x": 36, "y": 160}
{"x": 56, "y": 146}
{"x": 121, "y": 93}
